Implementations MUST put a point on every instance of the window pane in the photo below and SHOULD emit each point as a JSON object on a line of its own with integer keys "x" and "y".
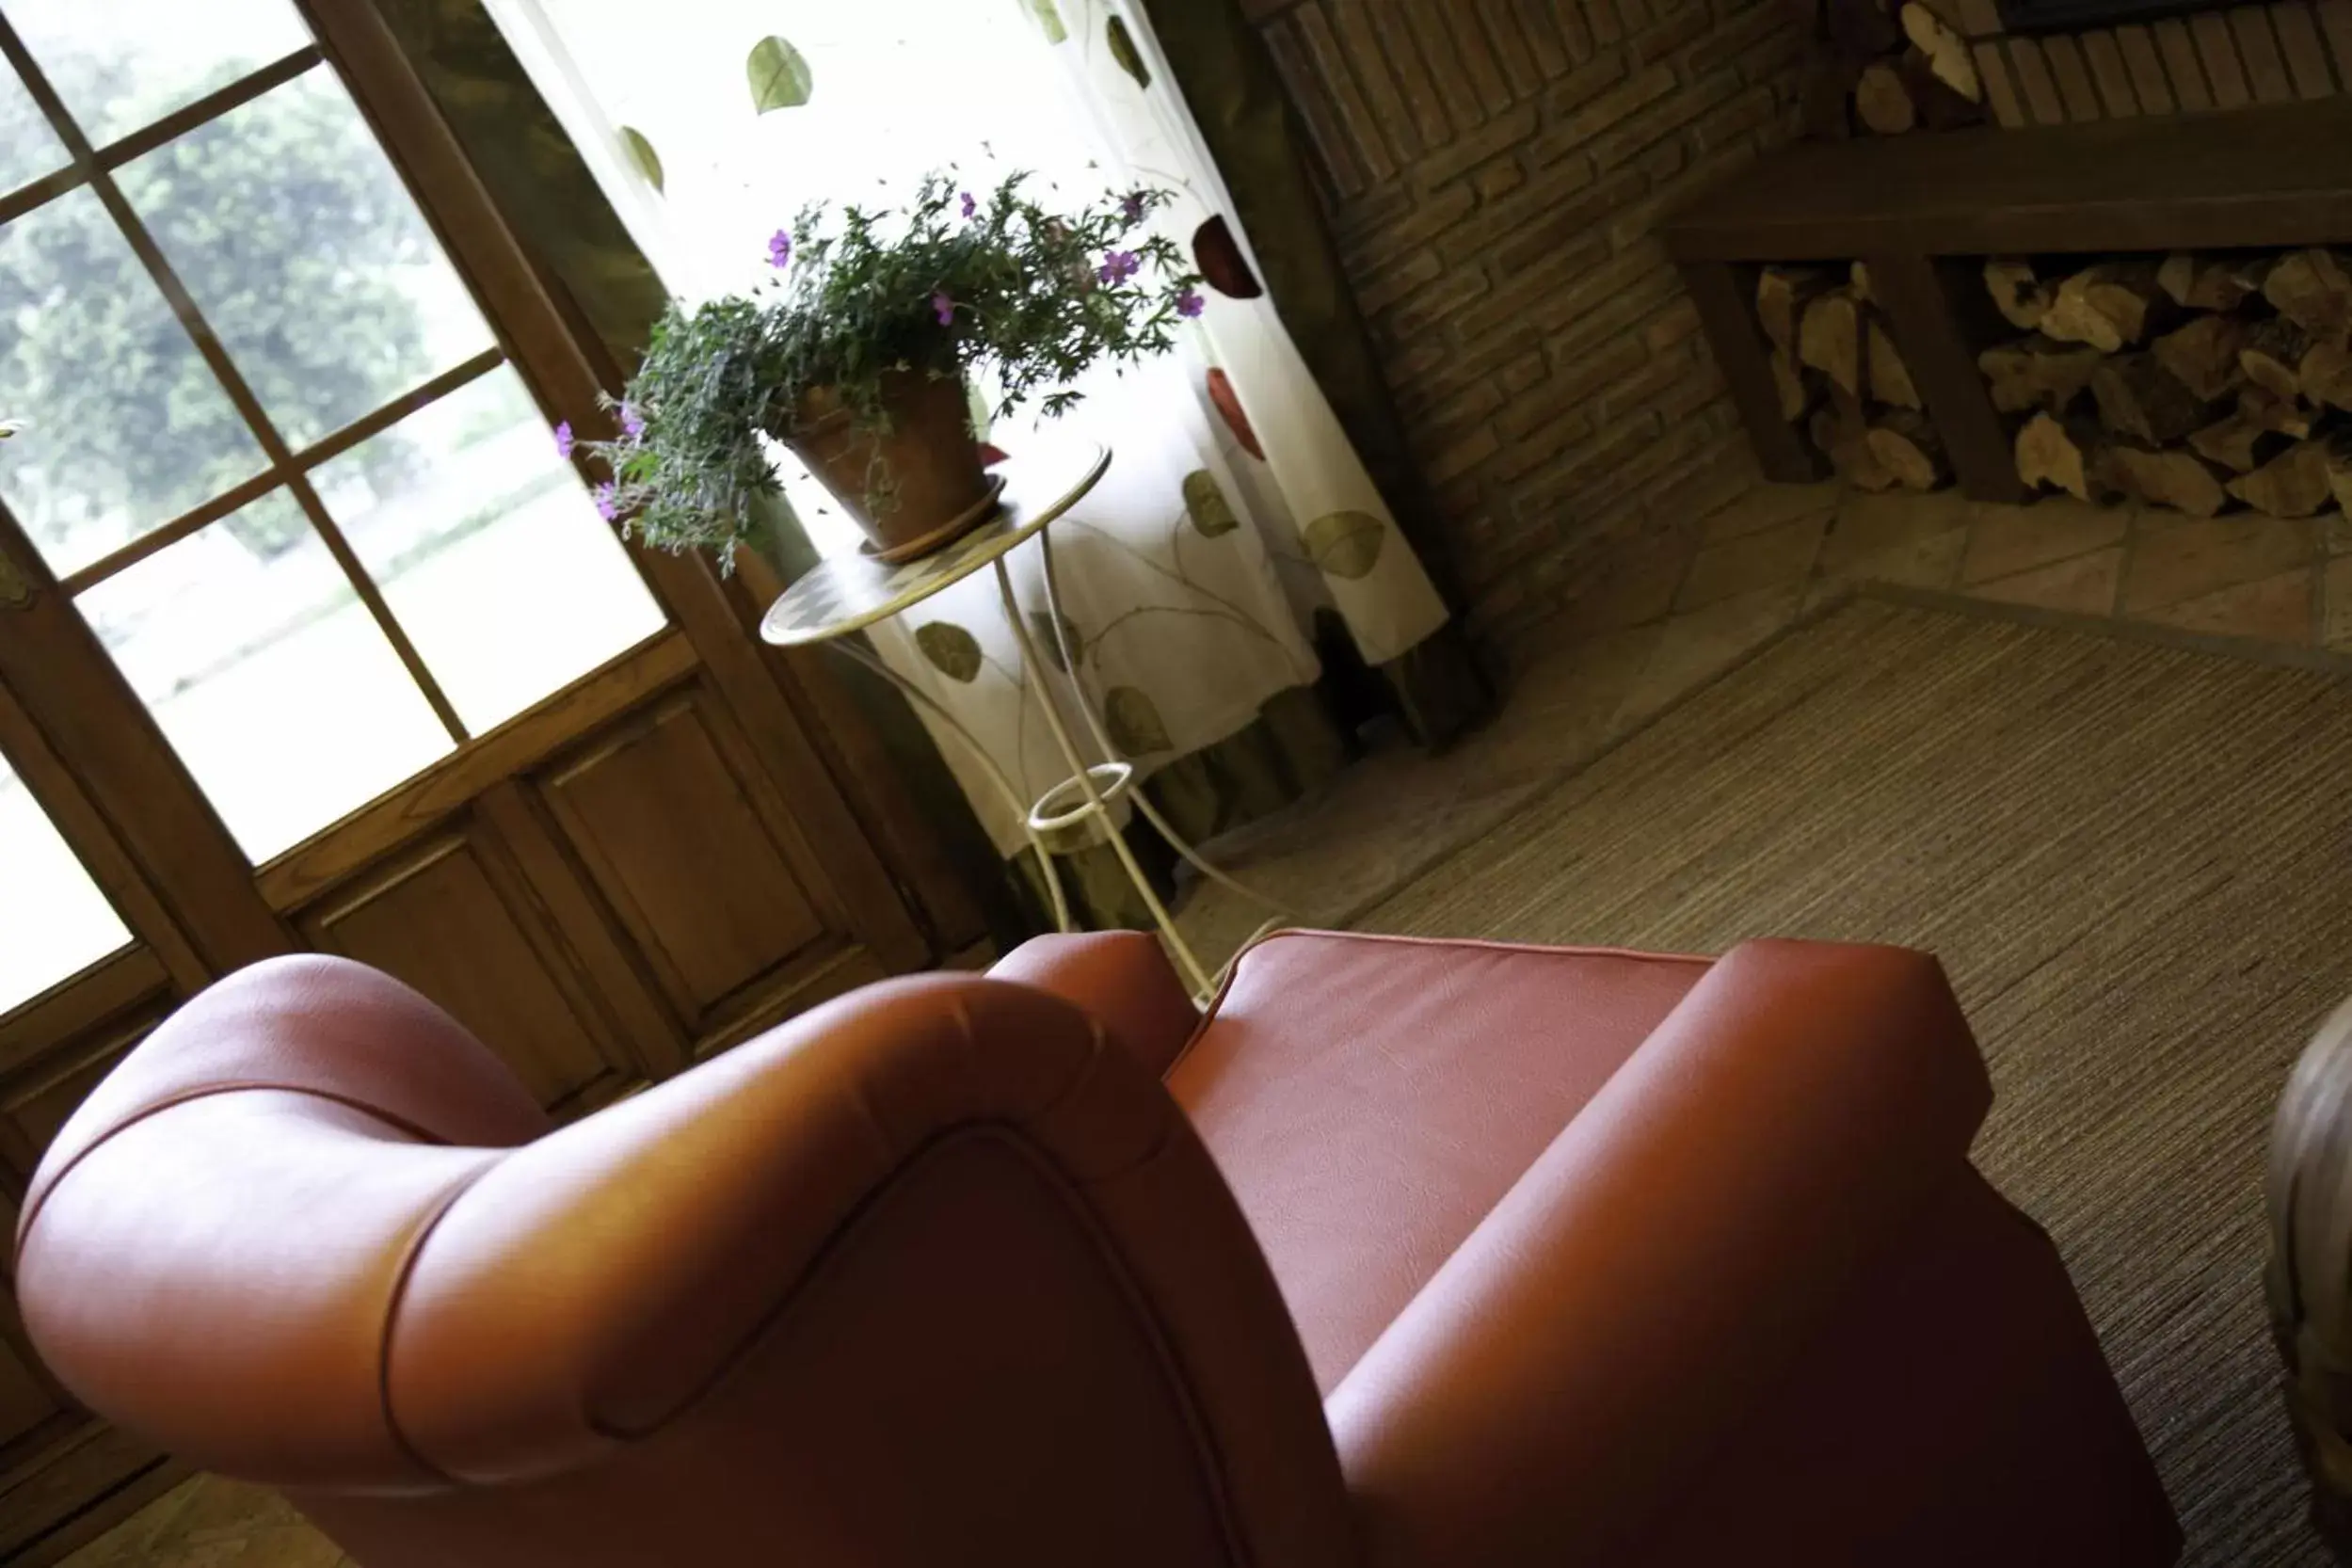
{"x": 272, "y": 682}
{"x": 28, "y": 148}
{"x": 489, "y": 550}
{"x": 126, "y": 428}
{"x": 119, "y": 64}
{"x": 303, "y": 250}
{"x": 53, "y": 921}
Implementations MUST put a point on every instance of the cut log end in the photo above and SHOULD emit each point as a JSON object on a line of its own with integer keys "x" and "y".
{"x": 1829, "y": 339}
{"x": 1908, "y": 447}
{"x": 2181, "y": 480}
{"x": 1890, "y": 377}
{"x": 2037, "y": 372}
{"x": 2020, "y": 296}
{"x": 2061, "y": 454}
{"x": 1883, "y": 101}
{"x": 2295, "y": 484}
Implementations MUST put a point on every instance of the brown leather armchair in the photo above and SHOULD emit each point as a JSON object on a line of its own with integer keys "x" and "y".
{"x": 1413, "y": 1253}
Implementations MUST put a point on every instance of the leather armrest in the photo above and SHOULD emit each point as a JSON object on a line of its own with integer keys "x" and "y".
{"x": 1122, "y": 978}
{"x": 594, "y": 1285}
{"x": 1663, "y": 1259}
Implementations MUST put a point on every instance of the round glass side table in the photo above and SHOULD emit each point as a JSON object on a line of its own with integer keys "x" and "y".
{"x": 848, "y": 593}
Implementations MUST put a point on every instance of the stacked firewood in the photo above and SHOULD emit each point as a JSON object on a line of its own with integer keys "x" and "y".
{"x": 1887, "y": 67}
{"x": 2197, "y": 382}
{"x": 1841, "y": 378}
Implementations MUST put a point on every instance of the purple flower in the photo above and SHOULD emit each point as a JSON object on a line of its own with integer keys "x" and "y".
{"x": 1118, "y": 266}
{"x": 945, "y": 306}
{"x": 1190, "y": 304}
{"x": 631, "y": 422}
{"x": 971, "y": 206}
{"x": 563, "y": 441}
{"x": 1133, "y": 207}
{"x": 608, "y": 501}
{"x": 779, "y": 250}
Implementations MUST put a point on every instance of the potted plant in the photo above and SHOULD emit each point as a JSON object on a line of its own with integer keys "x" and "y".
{"x": 857, "y": 353}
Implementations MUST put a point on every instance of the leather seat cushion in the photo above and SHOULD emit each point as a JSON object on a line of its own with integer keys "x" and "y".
{"x": 1370, "y": 1098}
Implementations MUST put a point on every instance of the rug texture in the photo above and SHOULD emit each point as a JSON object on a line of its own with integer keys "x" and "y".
{"x": 2135, "y": 860}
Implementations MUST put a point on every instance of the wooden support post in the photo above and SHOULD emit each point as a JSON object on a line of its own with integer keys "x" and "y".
{"x": 1935, "y": 305}
{"x": 1725, "y": 293}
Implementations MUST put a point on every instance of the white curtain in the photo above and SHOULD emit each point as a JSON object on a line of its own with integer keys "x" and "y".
{"x": 1190, "y": 574}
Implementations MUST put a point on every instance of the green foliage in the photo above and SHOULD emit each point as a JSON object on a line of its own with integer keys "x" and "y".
{"x": 1030, "y": 298}
{"x": 290, "y": 232}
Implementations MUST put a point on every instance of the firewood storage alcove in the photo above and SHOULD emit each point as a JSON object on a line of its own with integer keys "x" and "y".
{"x": 2145, "y": 308}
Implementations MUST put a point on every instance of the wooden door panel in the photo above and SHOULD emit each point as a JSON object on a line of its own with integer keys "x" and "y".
{"x": 453, "y": 917}
{"x": 666, "y": 822}
{"x": 57, "y": 1048}
{"x": 26, "y": 1401}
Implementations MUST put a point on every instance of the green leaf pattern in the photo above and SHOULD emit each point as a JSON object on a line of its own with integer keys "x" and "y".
{"x": 1206, "y": 504}
{"x": 1133, "y": 722}
{"x": 641, "y": 154}
{"x": 1124, "y": 50}
{"x": 1346, "y": 545}
{"x": 953, "y": 651}
{"x": 779, "y": 75}
{"x": 1048, "y": 18}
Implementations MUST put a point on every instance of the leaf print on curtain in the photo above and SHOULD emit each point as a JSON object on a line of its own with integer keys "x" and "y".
{"x": 641, "y": 154}
{"x": 1134, "y": 721}
{"x": 779, "y": 77}
{"x": 953, "y": 651}
{"x": 1123, "y": 50}
{"x": 1217, "y": 258}
{"x": 1346, "y": 544}
{"x": 1049, "y": 20}
{"x": 1188, "y": 588}
{"x": 1206, "y": 504}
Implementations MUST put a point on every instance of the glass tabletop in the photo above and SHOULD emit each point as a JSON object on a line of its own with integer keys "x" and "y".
{"x": 849, "y": 593}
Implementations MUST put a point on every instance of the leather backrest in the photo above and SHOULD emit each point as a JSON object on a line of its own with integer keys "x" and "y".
{"x": 932, "y": 1250}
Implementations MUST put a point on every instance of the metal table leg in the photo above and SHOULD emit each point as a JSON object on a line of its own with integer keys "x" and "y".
{"x": 1192, "y": 857}
{"x": 988, "y": 765}
{"x": 1082, "y": 778}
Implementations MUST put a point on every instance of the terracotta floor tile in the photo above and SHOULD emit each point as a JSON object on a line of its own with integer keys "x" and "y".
{"x": 2176, "y": 561}
{"x": 1632, "y": 587}
{"x": 2086, "y": 584}
{"x": 1867, "y": 524}
{"x": 1768, "y": 505}
{"x": 1694, "y": 647}
{"x": 1779, "y": 555}
{"x": 2275, "y": 609}
{"x": 2008, "y": 540}
{"x": 2336, "y": 586}
{"x": 1930, "y": 562}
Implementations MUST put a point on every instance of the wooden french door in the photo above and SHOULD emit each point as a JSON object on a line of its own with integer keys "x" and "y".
{"x": 310, "y": 639}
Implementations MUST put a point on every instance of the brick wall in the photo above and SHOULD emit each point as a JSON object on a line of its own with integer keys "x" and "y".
{"x": 2221, "y": 60}
{"x": 1494, "y": 169}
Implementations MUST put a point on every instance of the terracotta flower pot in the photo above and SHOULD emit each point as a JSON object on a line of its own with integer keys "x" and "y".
{"x": 915, "y": 488}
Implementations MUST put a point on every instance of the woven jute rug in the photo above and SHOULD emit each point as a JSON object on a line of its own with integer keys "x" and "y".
{"x": 2136, "y": 861}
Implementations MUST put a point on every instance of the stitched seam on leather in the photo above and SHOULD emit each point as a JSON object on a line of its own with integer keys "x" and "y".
{"x": 392, "y": 1306}
{"x": 188, "y": 1096}
{"x": 1208, "y": 1014}
{"x": 1233, "y": 970}
{"x": 1481, "y": 944}
{"x": 1067, "y": 1187}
